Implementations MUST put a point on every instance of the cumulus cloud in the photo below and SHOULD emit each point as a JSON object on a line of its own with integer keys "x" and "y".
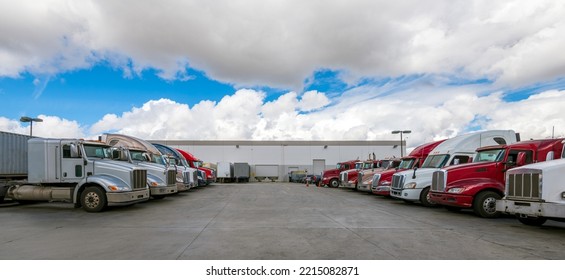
{"x": 51, "y": 126}
{"x": 281, "y": 43}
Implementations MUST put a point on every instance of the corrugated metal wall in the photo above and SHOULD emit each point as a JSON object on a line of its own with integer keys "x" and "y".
{"x": 13, "y": 154}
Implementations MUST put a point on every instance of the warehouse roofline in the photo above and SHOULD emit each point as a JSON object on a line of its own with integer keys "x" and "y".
{"x": 278, "y": 143}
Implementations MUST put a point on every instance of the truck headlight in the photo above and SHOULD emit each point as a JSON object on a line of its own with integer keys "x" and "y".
{"x": 411, "y": 185}
{"x": 455, "y": 190}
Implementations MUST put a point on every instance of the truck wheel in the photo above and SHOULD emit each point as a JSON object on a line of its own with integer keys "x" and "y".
{"x": 531, "y": 221}
{"x": 485, "y": 204}
{"x": 425, "y": 198}
{"x": 334, "y": 183}
{"x": 93, "y": 199}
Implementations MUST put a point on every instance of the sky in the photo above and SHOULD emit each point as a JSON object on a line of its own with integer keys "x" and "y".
{"x": 282, "y": 70}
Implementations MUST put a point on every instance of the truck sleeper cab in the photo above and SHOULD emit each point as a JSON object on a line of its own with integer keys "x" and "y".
{"x": 81, "y": 172}
{"x": 480, "y": 184}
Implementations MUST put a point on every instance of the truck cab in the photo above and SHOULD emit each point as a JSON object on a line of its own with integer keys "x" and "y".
{"x": 330, "y": 177}
{"x": 160, "y": 176}
{"x": 81, "y": 172}
{"x": 531, "y": 199}
{"x": 480, "y": 184}
{"x": 187, "y": 177}
{"x": 364, "y": 177}
{"x": 380, "y": 182}
{"x": 348, "y": 178}
{"x": 414, "y": 185}
{"x": 208, "y": 175}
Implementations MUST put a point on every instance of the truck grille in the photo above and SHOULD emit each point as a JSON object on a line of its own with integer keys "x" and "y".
{"x": 439, "y": 180}
{"x": 524, "y": 186}
{"x": 139, "y": 179}
{"x": 343, "y": 177}
{"x": 376, "y": 179}
{"x": 195, "y": 178}
{"x": 186, "y": 177}
{"x": 398, "y": 181}
{"x": 360, "y": 178}
{"x": 171, "y": 177}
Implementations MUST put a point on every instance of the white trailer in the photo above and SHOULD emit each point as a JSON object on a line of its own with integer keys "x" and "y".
{"x": 266, "y": 171}
{"x": 225, "y": 172}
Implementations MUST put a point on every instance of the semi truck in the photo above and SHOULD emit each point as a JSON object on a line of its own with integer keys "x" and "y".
{"x": 349, "y": 178}
{"x": 535, "y": 193}
{"x": 379, "y": 182}
{"x": 414, "y": 185}
{"x": 189, "y": 175}
{"x": 70, "y": 170}
{"x": 208, "y": 174}
{"x": 480, "y": 184}
{"x": 161, "y": 177}
{"x": 330, "y": 177}
{"x": 385, "y": 164}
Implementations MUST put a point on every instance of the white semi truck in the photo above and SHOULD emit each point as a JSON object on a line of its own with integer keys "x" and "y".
{"x": 535, "y": 193}
{"x": 162, "y": 178}
{"x": 70, "y": 170}
{"x": 414, "y": 185}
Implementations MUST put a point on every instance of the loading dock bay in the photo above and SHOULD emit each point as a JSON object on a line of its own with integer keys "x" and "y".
{"x": 264, "y": 221}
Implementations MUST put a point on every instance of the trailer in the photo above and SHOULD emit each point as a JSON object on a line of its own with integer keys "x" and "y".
{"x": 241, "y": 171}
{"x": 225, "y": 172}
{"x": 266, "y": 171}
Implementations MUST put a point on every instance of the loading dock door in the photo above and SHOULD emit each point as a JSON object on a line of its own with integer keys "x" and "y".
{"x": 318, "y": 166}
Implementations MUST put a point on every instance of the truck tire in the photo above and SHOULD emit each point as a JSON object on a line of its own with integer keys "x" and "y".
{"x": 425, "y": 198}
{"x": 485, "y": 204}
{"x": 531, "y": 221}
{"x": 334, "y": 183}
{"x": 93, "y": 199}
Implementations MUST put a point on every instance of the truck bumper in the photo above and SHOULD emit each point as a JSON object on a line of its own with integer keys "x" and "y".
{"x": 381, "y": 190}
{"x": 347, "y": 185}
{"x": 531, "y": 209}
{"x": 181, "y": 187}
{"x": 158, "y": 191}
{"x": 455, "y": 200}
{"x": 364, "y": 188}
{"x": 406, "y": 194}
{"x": 126, "y": 198}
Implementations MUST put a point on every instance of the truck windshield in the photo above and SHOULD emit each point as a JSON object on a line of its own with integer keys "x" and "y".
{"x": 435, "y": 161}
{"x": 490, "y": 155}
{"x": 406, "y": 163}
{"x": 367, "y": 165}
{"x": 198, "y": 164}
{"x": 358, "y": 165}
{"x": 97, "y": 151}
{"x": 140, "y": 156}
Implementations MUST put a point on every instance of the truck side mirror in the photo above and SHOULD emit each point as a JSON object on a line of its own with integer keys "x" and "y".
{"x": 521, "y": 160}
{"x": 74, "y": 151}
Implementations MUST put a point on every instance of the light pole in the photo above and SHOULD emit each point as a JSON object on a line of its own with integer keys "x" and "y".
{"x": 401, "y": 132}
{"x": 30, "y": 121}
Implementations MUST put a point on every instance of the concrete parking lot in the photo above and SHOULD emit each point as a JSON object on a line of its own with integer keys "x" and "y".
{"x": 269, "y": 221}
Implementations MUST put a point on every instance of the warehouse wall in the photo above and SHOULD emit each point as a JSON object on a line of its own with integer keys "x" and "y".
{"x": 286, "y": 154}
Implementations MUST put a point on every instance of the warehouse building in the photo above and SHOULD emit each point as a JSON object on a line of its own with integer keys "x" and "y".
{"x": 287, "y": 156}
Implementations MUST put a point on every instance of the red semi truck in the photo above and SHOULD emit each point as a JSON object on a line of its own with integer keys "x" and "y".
{"x": 380, "y": 181}
{"x": 478, "y": 185}
{"x": 330, "y": 177}
{"x": 194, "y": 162}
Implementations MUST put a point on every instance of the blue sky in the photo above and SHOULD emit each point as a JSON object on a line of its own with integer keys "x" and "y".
{"x": 294, "y": 70}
